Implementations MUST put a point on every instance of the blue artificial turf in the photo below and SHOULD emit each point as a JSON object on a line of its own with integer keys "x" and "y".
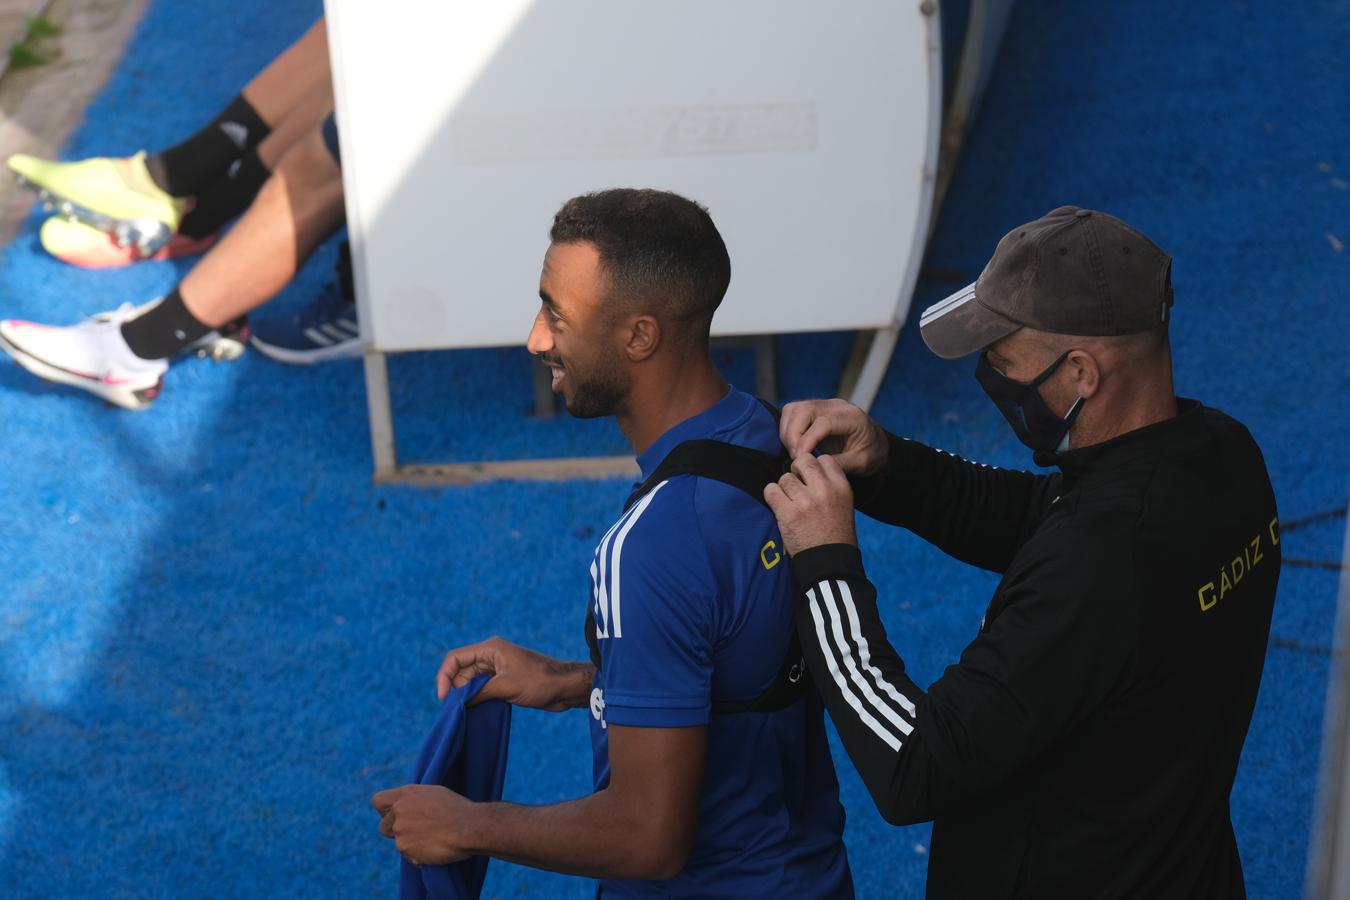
{"x": 217, "y": 637}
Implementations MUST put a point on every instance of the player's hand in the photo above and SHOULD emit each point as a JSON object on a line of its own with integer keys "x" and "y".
{"x": 427, "y": 822}
{"x": 519, "y": 676}
{"x": 838, "y": 428}
{"x": 813, "y": 504}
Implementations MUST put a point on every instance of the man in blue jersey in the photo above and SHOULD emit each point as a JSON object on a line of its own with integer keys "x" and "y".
{"x": 700, "y": 791}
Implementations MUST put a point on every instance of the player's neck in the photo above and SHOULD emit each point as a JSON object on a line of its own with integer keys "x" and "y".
{"x": 665, "y": 395}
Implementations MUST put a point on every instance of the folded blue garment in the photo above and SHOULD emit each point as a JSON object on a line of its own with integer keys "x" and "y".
{"x": 466, "y": 752}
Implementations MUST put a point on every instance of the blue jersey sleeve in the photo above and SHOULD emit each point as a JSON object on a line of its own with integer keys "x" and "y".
{"x": 656, "y": 599}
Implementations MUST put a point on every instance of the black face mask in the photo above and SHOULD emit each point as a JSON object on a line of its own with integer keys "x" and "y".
{"x": 1020, "y": 402}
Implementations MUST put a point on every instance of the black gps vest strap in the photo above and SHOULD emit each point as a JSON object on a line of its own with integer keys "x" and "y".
{"x": 750, "y": 471}
{"x": 741, "y": 467}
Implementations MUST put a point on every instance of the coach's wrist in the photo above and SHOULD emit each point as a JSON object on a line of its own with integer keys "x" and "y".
{"x": 810, "y": 567}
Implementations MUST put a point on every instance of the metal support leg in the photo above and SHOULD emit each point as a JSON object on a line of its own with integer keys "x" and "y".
{"x": 1329, "y": 859}
{"x": 766, "y": 361}
{"x": 848, "y": 380}
{"x": 385, "y": 450}
{"x": 545, "y": 403}
{"x": 766, "y": 367}
{"x": 985, "y": 27}
{"x": 866, "y": 367}
{"x": 867, "y": 380}
{"x": 383, "y": 445}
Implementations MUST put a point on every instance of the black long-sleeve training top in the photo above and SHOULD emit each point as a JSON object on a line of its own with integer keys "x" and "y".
{"x": 1085, "y": 744}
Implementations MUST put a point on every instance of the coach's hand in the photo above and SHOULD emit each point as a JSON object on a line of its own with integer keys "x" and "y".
{"x": 519, "y": 676}
{"x": 427, "y": 822}
{"x": 838, "y": 428}
{"x": 813, "y": 504}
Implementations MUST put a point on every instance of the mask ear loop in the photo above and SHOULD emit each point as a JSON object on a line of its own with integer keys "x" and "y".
{"x": 1052, "y": 369}
{"x": 1069, "y": 418}
{"x": 1072, "y": 414}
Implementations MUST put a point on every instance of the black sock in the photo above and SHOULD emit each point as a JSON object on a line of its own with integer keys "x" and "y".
{"x": 226, "y": 197}
{"x": 187, "y": 168}
{"x": 163, "y": 330}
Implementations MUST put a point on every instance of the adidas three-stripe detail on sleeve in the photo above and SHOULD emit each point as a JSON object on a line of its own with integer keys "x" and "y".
{"x": 879, "y": 705}
{"x": 878, "y": 710}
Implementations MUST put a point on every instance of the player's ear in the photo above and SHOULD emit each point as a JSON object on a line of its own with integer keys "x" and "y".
{"x": 642, "y": 337}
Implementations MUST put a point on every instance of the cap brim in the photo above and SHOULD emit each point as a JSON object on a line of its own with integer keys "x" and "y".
{"x": 959, "y": 325}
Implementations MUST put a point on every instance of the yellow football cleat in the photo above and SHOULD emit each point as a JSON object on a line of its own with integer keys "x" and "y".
{"x": 114, "y": 195}
{"x": 82, "y": 245}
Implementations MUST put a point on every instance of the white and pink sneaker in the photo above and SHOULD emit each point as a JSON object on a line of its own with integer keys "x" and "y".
{"x": 91, "y": 355}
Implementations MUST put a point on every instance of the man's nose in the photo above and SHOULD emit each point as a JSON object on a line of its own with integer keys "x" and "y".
{"x": 540, "y": 341}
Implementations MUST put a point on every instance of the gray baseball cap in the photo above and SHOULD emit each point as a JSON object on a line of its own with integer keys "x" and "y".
{"x": 1072, "y": 271}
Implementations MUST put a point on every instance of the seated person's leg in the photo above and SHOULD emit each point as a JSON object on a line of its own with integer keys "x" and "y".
{"x": 79, "y": 244}
{"x": 122, "y": 356}
{"x": 231, "y": 193}
{"x": 327, "y": 328}
{"x": 298, "y": 207}
{"x": 287, "y": 83}
{"x": 293, "y": 78}
{"x": 143, "y": 201}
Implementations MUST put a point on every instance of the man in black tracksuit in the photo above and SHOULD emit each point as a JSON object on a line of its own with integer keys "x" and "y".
{"x": 1085, "y": 743}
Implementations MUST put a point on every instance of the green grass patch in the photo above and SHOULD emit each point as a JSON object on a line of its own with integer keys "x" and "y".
{"x": 34, "y": 47}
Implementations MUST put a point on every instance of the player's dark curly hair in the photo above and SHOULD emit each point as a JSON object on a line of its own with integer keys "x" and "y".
{"x": 661, "y": 253}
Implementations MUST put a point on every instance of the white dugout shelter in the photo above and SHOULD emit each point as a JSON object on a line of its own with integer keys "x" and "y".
{"x": 811, "y": 131}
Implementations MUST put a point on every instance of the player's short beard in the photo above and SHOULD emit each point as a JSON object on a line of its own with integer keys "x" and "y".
{"x": 602, "y": 389}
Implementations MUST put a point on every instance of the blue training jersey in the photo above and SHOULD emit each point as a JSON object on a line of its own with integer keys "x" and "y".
{"x": 692, "y": 600}
{"x": 466, "y": 752}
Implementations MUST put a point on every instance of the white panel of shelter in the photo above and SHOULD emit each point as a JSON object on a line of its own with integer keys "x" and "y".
{"x": 809, "y": 130}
